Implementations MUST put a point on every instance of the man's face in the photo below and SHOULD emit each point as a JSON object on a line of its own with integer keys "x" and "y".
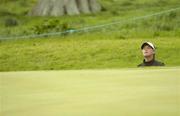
{"x": 147, "y": 51}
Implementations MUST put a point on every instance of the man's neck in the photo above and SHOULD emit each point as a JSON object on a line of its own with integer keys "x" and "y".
{"x": 148, "y": 59}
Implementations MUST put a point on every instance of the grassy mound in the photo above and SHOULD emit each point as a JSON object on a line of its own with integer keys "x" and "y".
{"x": 127, "y": 92}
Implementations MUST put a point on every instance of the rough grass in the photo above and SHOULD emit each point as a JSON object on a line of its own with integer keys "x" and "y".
{"x": 112, "y": 47}
{"x": 87, "y": 51}
{"x": 126, "y": 92}
{"x": 114, "y": 10}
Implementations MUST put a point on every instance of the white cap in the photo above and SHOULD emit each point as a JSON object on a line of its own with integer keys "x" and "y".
{"x": 148, "y": 43}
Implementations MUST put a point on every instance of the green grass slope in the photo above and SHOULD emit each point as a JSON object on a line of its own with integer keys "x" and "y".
{"x": 114, "y": 46}
{"x": 126, "y": 92}
{"x": 113, "y": 10}
{"x": 87, "y": 51}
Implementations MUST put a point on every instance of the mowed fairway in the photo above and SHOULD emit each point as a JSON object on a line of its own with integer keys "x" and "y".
{"x": 124, "y": 92}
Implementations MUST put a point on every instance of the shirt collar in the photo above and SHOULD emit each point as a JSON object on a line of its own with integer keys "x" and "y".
{"x": 149, "y": 63}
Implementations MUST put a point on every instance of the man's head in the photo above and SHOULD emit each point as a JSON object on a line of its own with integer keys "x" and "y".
{"x": 148, "y": 49}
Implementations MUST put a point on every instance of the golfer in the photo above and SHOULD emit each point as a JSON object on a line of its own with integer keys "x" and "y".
{"x": 148, "y": 51}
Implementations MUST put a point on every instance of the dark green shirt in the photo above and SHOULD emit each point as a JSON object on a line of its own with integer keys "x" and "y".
{"x": 151, "y": 63}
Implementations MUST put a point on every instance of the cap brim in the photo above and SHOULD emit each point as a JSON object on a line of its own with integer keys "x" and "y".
{"x": 146, "y": 43}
